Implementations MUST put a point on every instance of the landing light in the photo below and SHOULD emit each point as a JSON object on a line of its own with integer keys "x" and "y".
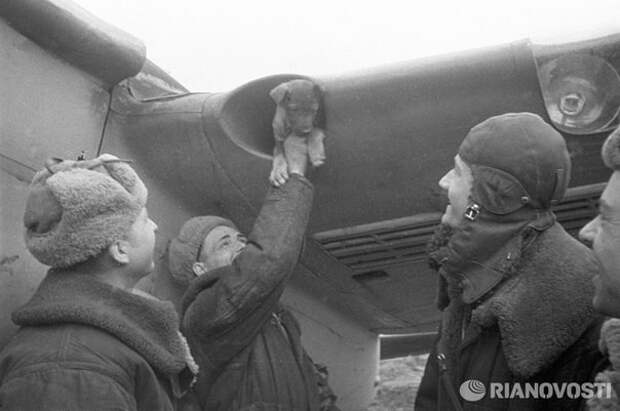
{"x": 581, "y": 93}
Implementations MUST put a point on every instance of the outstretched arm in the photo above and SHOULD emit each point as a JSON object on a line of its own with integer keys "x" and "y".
{"x": 224, "y": 309}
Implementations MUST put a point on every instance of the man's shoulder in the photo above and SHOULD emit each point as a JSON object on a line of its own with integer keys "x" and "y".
{"x": 558, "y": 247}
{"x": 558, "y": 260}
{"x": 67, "y": 346}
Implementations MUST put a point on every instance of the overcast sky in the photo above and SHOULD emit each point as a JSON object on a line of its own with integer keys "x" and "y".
{"x": 219, "y": 45}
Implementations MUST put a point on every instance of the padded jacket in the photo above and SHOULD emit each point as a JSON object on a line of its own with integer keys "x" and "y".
{"x": 247, "y": 346}
{"x": 537, "y": 326}
{"x": 85, "y": 345}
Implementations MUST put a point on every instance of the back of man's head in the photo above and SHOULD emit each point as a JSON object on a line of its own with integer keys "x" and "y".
{"x": 611, "y": 150}
{"x": 517, "y": 159}
{"x": 77, "y": 209}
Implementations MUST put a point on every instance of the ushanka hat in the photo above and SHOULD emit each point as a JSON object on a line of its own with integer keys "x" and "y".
{"x": 611, "y": 150}
{"x": 76, "y": 209}
{"x": 184, "y": 250}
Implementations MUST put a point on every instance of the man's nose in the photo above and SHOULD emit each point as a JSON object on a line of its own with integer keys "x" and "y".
{"x": 240, "y": 245}
{"x": 587, "y": 233}
{"x": 444, "y": 182}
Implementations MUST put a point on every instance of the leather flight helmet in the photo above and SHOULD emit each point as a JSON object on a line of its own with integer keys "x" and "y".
{"x": 517, "y": 159}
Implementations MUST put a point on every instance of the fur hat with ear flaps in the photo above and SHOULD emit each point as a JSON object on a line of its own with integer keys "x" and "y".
{"x": 611, "y": 150}
{"x": 76, "y": 209}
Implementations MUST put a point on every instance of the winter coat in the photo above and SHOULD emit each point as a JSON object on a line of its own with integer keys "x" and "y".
{"x": 536, "y": 326}
{"x": 247, "y": 346}
{"x": 85, "y": 345}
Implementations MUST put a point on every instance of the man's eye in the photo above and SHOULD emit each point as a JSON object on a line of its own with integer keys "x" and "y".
{"x": 603, "y": 213}
{"x": 607, "y": 218}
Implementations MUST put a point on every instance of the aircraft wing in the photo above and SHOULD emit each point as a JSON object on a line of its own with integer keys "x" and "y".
{"x": 392, "y": 132}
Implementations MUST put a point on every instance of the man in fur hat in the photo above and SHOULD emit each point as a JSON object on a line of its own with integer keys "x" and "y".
{"x": 514, "y": 288}
{"x": 86, "y": 341}
{"x": 247, "y": 345}
{"x": 604, "y": 234}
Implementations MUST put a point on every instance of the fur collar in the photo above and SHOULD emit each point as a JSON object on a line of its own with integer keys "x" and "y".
{"x": 147, "y": 325}
{"x": 609, "y": 344}
{"x": 546, "y": 306}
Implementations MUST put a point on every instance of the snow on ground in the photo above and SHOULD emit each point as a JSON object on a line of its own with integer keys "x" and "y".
{"x": 399, "y": 379}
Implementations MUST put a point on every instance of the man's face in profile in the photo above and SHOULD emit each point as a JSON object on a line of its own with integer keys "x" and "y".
{"x": 219, "y": 249}
{"x": 456, "y": 183}
{"x": 604, "y": 234}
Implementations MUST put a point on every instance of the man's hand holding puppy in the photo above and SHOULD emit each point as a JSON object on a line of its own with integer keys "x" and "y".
{"x": 292, "y": 160}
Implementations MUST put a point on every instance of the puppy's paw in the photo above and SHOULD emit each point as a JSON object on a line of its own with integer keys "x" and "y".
{"x": 296, "y": 149}
{"x": 316, "y": 149}
{"x": 279, "y": 171}
{"x": 316, "y": 152}
{"x": 316, "y": 159}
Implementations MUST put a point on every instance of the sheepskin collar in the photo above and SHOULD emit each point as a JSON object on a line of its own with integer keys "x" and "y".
{"x": 483, "y": 251}
{"x": 147, "y": 325}
{"x": 472, "y": 261}
{"x": 609, "y": 345}
{"x": 543, "y": 309}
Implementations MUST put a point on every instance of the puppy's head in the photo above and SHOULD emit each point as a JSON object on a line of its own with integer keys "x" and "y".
{"x": 300, "y": 101}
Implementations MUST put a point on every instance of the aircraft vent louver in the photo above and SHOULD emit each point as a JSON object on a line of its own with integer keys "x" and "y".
{"x": 386, "y": 243}
{"x": 580, "y": 205}
{"x": 380, "y": 244}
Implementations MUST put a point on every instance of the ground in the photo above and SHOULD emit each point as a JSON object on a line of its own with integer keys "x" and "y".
{"x": 398, "y": 383}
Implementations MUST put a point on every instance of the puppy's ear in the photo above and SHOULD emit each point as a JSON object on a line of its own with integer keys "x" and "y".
{"x": 279, "y": 93}
{"x": 318, "y": 91}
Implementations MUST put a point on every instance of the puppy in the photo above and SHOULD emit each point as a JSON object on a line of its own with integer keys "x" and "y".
{"x": 297, "y": 104}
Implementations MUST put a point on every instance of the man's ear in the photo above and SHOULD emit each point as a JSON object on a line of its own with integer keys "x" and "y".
{"x": 119, "y": 252}
{"x": 318, "y": 91}
{"x": 199, "y": 268}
